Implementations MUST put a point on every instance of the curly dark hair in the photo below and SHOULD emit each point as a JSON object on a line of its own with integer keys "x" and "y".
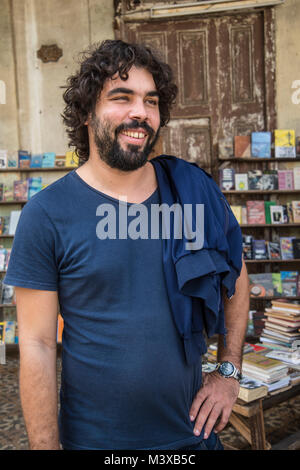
{"x": 100, "y": 63}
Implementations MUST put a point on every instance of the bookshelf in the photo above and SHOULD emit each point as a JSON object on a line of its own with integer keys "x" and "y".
{"x": 8, "y": 176}
{"x": 265, "y": 231}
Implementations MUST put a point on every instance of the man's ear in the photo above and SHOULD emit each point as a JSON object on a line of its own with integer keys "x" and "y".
{"x": 87, "y": 122}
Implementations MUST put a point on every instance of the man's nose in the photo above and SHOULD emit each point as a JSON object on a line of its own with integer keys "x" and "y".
{"x": 138, "y": 111}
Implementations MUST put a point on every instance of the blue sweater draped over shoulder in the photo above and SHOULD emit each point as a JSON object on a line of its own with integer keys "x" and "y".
{"x": 196, "y": 278}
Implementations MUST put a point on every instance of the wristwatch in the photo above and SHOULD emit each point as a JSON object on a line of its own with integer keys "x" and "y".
{"x": 228, "y": 370}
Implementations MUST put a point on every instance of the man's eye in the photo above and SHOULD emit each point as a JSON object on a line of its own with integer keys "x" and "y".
{"x": 120, "y": 98}
{"x": 153, "y": 102}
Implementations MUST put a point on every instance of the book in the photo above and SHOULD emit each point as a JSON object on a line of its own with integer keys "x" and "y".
{"x": 296, "y": 247}
{"x": 296, "y": 211}
{"x": 12, "y": 159}
{"x": 296, "y": 172}
{"x": 254, "y": 179}
{"x": 226, "y": 178}
{"x": 3, "y": 158}
{"x": 264, "y": 366}
{"x": 2, "y": 332}
{"x": 285, "y": 179}
{"x": 251, "y": 389}
{"x": 48, "y": 160}
{"x": 289, "y": 283}
{"x": 8, "y": 294}
{"x": 36, "y": 161}
{"x": 286, "y": 247}
{"x": 261, "y": 144}
{"x": 72, "y": 159}
{"x": 24, "y": 158}
{"x": 276, "y": 281}
{"x": 241, "y": 181}
{"x": 14, "y": 219}
{"x": 284, "y": 141}
{"x": 237, "y": 212}
{"x": 261, "y": 285}
{"x": 298, "y": 146}
{"x": 8, "y": 192}
{"x": 20, "y": 190}
{"x": 247, "y": 247}
{"x": 273, "y": 249}
{"x": 255, "y": 212}
{"x": 259, "y": 249}
{"x": 269, "y": 180}
{"x": 10, "y": 327}
{"x": 60, "y": 160}
{"x": 292, "y": 307}
{"x": 267, "y": 210}
{"x": 242, "y": 146}
{"x": 277, "y": 216}
{"x": 34, "y": 186}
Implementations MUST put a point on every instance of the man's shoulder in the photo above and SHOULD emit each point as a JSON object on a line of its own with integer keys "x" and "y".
{"x": 176, "y": 162}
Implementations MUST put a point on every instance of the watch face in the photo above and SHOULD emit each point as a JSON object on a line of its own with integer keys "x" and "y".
{"x": 226, "y": 368}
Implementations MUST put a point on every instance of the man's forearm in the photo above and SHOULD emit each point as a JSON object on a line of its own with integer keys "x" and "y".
{"x": 236, "y": 319}
{"x": 38, "y": 390}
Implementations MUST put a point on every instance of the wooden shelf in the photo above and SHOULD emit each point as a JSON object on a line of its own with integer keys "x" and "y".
{"x": 13, "y": 202}
{"x": 7, "y": 305}
{"x": 273, "y": 297}
{"x": 6, "y": 236}
{"x": 259, "y": 191}
{"x": 272, "y": 260}
{"x": 255, "y": 159}
{"x": 29, "y": 170}
{"x": 292, "y": 224}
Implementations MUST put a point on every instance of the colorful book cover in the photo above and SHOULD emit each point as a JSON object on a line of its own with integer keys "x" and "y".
{"x": 226, "y": 178}
{"x": 289, "y": 283}
{"x": 48, "y": 160}
{"x": 36, "y": 161}
{"x": 254, "y": 179}
{"x": 24, "y": 158}
{"x": 273, "y": 250}
{"x": 276, "y": 279}
{"x": 261, "y": 144}
{"x": 267, "y": 210}
{"x": 296, "y": 248}
{"x": 72, "y": 159}
{"x": 285, "y": 179}
{"x": 241, "y": 181}
{"x": 34, "y": 186}
{"x": 286, "y": 247}
{"x": 12, "y": 159}
{"x": 8, "y": 192}
{"x": 277, "y": 215}
{"x": 259, "y": 249}
{"x": 296, "y": 211}
{"x": 298, "y": 146}
{"x": 20, "y": 190}
{"x": 10, "y": 327}
{"x": 247, "y": 247}
{"x": 1, "y": 191}
{"x": 285, "y": 142}
{"x": 296, "y": 172}
{"x": 255, "y": 212}
{"x": 242, "y": 146}
{"x": 60, "y": 161}
{"x": 3, "y": 158}
{"x": 237, "y": 212}
{"x": 261, "y": 285}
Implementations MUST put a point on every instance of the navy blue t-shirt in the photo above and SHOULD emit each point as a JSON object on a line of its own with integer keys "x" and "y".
{"x": 125, "y": 382}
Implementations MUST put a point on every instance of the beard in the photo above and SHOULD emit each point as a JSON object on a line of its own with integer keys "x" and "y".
{"x": 110, "y": 151}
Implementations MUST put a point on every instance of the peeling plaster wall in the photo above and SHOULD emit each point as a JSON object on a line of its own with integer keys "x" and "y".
{"x": 288, "y": 65}
{"x": 31, "y": 117}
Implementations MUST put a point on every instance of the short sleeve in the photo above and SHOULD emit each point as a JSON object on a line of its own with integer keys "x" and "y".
{"x": 32, "y": 262}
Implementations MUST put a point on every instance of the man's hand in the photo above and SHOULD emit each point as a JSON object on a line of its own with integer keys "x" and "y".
{"x": 213, "y": 403}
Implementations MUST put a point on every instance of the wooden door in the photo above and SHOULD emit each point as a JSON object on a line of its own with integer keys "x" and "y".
{"x": 221, "y": 66}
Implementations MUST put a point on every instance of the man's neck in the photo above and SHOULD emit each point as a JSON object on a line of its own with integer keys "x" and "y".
{"x": 133, "y": 186}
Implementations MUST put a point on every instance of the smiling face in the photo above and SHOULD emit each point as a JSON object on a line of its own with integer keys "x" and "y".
{"x": 126, "y": 120}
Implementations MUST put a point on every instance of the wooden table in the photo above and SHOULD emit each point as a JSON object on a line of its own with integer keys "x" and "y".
{"x": 248, "y": 418}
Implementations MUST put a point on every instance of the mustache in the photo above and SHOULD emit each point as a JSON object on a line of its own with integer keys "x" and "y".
{"x": 135, "y": 125}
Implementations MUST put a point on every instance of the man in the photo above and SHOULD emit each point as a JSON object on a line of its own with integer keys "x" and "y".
{"x": 133, "y": 328}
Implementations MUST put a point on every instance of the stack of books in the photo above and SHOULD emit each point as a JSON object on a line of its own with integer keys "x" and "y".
{"x": 268, "y": 371}
{"x": 282, "y": 324}
{"x": 26, "y": 159}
